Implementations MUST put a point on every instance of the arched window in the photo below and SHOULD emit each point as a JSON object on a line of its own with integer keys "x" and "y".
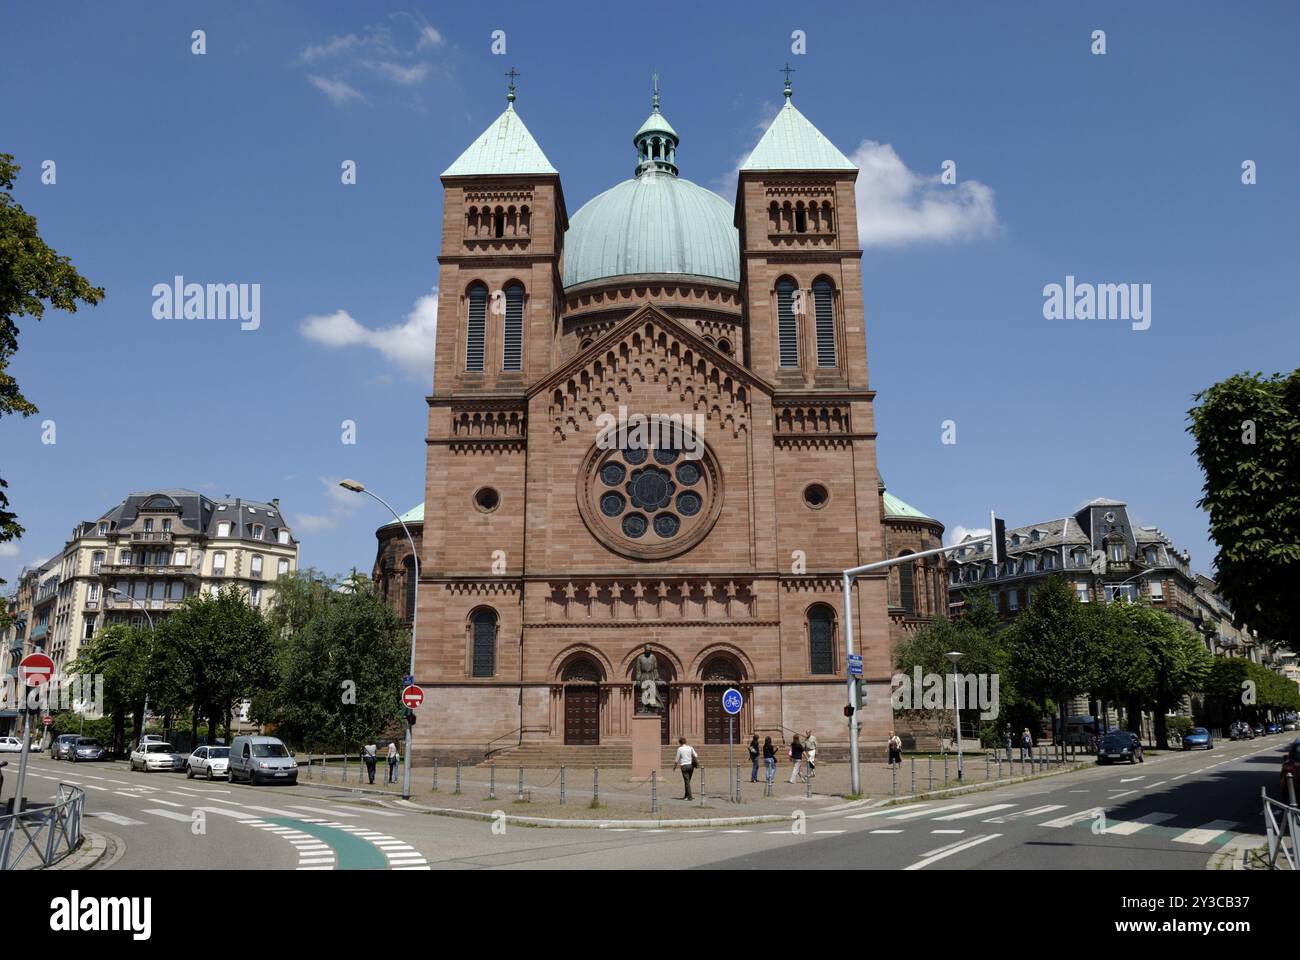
{"x": 787, "y": 324}
{"x": 524, "y": 221}
{"x": 408, "y": 579}
{"x": 906, "y": 588}
{"x": 824, "y": 308}
{"x": 821, "y": 639}
{"x": 471, "y": 222}
{"x": 827, "y": 221}
{"x": 499, "y": 223}
{"x": 512, "y": 346}
{"x": 774, "y": 217}
{"x": 476, "y": 330}
{"x": 800, "y": 219}
{"x": 484, "y": 631}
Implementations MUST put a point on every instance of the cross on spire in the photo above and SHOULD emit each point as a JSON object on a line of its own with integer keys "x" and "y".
{"x": 510, "y": 91}
{"x": 787, "y": 71}
{"x": 654, "y": 77}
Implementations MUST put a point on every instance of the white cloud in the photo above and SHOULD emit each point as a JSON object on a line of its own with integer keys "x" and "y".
{"x": 429, "y": 37}
{"x": 342, "y": 504}
{"x": 959, "y": 533}
{"x": 897, "y": 206}
{"x": 340, "y": 92}
{"x": 8, "y": 549}
{"x": 405, "y": 76}
{"x": 330, "y": 48}
{"x": 409, "y": 344}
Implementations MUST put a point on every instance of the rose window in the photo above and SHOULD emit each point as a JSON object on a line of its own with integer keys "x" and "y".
{"x": 650, "y": 504}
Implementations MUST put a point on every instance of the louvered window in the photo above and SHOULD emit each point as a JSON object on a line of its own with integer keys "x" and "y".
{"x": 824, "y": 305}
{"x": 512, "y": 350}
{"x": 477, "y": 327}
{"x": 787, "y": 324}
{"x": 485, "y": 643}
{"x": 821, "y": 634}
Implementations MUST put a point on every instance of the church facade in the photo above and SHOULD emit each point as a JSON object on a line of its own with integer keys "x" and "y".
{"x": 651, "y": 423}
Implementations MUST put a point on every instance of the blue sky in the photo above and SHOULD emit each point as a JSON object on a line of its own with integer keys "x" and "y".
{"x": 225, "y": 167}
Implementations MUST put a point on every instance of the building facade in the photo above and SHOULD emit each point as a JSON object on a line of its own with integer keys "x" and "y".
{"x": 651, "y": 423}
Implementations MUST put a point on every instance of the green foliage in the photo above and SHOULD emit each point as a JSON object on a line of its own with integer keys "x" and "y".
{"x": 340, "y": 655}
{"x": 1252, "y": 493}
{"x": 1050, "y": 646}
{"x": 101, "y": 728}
{"x": 1177, "y": 726}
{"x": 1176, "y": 661}
{"x": 32, "y": 275}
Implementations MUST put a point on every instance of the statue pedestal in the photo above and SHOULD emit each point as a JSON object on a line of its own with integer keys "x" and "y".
{"x": 647, "y": 751}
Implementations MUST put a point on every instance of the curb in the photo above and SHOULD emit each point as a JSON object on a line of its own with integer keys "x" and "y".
{"x": 94, "y": 847}
{"x": 591, "y": 824}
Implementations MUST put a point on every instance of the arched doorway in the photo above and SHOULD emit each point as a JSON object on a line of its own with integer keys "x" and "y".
{"x": 667, "y": 693}
{"x": 581, "y": 678}
{"x": 720, "y": 672}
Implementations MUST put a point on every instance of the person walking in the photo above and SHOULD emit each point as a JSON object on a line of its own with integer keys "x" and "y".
{"x": 1026, "y": 745}
{"x": 895, "y": 749}
{"x": 1010, "y": 740}
{"x": 810, "y": 753}
{"x": 769, "y": 760}
{"x": 753, "y": 758}
{"x": 392, "y": 762}
{"x": 688, "y": 760}
{"x": 370, "y": 754}
{"x": 796, "y": 757}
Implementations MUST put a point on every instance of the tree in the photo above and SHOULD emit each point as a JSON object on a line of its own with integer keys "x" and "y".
{"x": 121, "y": 655}
{"x": 32, "y": 276}
{"x": 1247, "y": 432}
{"x": 1119, "y": 663}
{"x": 1177, "y": 662}
{"x": 341, "y": 653}
{"x": 1050, "y": 647}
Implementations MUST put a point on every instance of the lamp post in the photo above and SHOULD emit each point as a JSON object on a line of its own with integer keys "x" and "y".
{"x": 144, "y": 714}
{"x": 953, "y": 656}
{"x": 415, "y": 612}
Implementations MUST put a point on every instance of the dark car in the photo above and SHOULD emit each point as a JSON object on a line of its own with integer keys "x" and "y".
{"x": 1198, "y": 738}
{"x": 1258, "y": 728}
{"x": 87, "y": 748}
{"x": 1120, "y": 745}
{"x": 59, "y": 749}
{"x": 1273, "y": 727}
{"x": 1290, "y": 765}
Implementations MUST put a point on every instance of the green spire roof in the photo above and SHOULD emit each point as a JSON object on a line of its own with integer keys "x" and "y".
{"x": 793, "y": 143}
{"x": 656, "y": 123}
{"x": 897, "y": 508}
{"x": 414, "y": 515}
{"x": 505, "y": 147}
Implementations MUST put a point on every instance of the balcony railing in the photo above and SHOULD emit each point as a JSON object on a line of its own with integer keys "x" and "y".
{"x": 151, "y": 536}
{"x": 176, "y": 569}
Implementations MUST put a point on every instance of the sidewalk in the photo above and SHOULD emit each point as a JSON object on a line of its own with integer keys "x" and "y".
{"x": 617, "y": 796}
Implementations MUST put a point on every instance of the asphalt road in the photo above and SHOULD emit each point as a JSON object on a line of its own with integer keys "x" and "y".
{"x": 1173, "y": 812}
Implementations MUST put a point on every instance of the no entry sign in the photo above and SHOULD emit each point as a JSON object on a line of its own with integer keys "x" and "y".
{"x": 412, "y": 696}
{"x": 35, "y": 669}
{"x": 47, "y": 720}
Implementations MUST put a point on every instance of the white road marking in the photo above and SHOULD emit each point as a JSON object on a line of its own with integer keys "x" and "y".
{"x": 276, "y": 811}
{"x": 1128, "y": 827}
{"x": 947, "y": 831}
{"x": 1023, "y": 814}
{"x": 1122, "y": 793}
{"x": 331, "y": 812}
{"x": 1072, "y": 818}
{"x": 976, "y": 812}
{"x": 171, "y": 815}
{"x": 959, "y": 848}
{"x": 166, "y": 803}
{"x": 1206, "y": 832}
{"x": 1152, "y": 786}
{"x": 886, "y": 831}
{"x": 926, "y": 813}
{"x": 828, "y": 831}
{"x": 91, "y": 786}
{"x": 117, "y": 818}
{"x": 1130, "y": 779}
{"x": 887, "y": 811}
{"x": 222, "y": 811}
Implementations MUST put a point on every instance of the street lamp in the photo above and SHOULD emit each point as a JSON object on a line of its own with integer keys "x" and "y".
{"x": 954, "y": 656}
{"x": 415, "y": 612}
{"x": 144, "y": 714}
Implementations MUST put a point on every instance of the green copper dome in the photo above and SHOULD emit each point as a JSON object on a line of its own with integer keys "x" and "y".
{"x": 654, "y": 223}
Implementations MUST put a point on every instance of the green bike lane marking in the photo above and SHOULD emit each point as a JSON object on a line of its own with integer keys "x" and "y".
{"x": 352, "y": 853}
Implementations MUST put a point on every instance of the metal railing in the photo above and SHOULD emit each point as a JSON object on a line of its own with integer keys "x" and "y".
{"x": 1278, "y": 833}
{"x": 49, "y": 833}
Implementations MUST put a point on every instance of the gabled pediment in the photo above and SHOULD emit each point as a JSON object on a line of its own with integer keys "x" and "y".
{"x": 650, "y": 349}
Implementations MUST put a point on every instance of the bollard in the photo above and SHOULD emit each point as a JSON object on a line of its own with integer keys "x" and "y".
{"x": 986, "y": 768}
{"x": 914, "y": 776}
{"x": 345, "y": 767}
{"x": 521, "y": 784}
{"x": 929, "y": 772}
{"x": 945, "y": 769}
{"x": 807, "y": 784}
{"x": 561, "y": 786}
{"x": 492, "y": 781}
{"x": 654, "y": 792}
{"x": 595, "y": 785}
{"x": 736, "y": 796}
{"x": 999, "y": 766}
{"x": 893, "y": 770}
{"x": 701, "y": 786}
{"x": 457, "y": 776}
{"x": 435, "y": 774}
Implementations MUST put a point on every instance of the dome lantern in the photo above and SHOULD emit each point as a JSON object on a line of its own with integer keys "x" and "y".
{"x": 656, "y": 141}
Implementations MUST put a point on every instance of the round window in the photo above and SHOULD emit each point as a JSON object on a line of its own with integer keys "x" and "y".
{"x": 486, "y": 499}
{"x": 815, "y": 495}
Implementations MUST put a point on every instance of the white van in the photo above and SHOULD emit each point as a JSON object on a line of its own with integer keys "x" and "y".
{"x": 262, "y": 760}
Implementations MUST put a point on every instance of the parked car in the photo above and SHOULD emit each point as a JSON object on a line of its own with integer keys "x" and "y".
{"x": 156, "y": 756}
{"x": 1120, "y": 745}
{"x": 61, "y": 745}
{"x": 87, "y": 748}
{"x": 1258, "y": 728}
{"x": 1290, "y": 765}
{"x": 1272, "y": 727}
{"x": 210, "y": 762}
{"x": 13, "y": 745}
{"x": 1290, "y": 725}
{"x": 261, "y": 760}
{"x": 1198, "y": 738}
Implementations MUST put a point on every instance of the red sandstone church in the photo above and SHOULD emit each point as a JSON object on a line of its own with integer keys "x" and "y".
{"x": 549, "y": 555}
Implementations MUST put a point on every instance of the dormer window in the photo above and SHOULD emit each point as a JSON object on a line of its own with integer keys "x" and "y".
{"x": 284, "y": 536}
{"x": 103, "y": 529}
{"x": 223, "y": 528}
{"x": 257, "y": 531}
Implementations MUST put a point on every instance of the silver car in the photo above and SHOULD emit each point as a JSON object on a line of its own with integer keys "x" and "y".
{"x": 152, "y": 755}
{"x": 210, "y": 762}
{"x": 62, "y": 745}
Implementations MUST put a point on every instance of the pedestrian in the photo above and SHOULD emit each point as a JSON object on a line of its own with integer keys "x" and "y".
{"x": 1026, "y": 745}
{"x": 810, "y": 753}
{"x": 392, "y": 762}
{"x": 769, "y": 760}
{"x": 753, "y": 758}
{"x": 688, "y": 760}
{"x": 796, "y": 757}
{"x": 895, "y": 749}
{"x": 370, "y": 753}
{"x": 1010, "y": 739}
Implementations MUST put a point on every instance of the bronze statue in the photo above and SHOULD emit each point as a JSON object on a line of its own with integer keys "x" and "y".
{"x": 645, "y": 676}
